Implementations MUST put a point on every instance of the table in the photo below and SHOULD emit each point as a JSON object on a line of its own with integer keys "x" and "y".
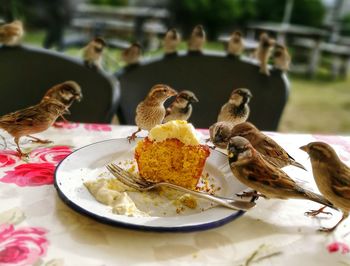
{"x": 36, "y": 228}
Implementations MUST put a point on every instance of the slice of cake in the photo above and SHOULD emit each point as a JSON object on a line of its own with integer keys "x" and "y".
{"x": 172, "y": 153}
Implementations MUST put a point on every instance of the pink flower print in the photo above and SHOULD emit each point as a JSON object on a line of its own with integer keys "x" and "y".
{"x": 21, "y": 247}
{"x": 30, "y": 174}
{"x": 51, "y": 154}
{"x": 65, "y": 125}
{"x": 336, "y": 246}
{"x": 8, "y": 157}
{"x": 98, "y": 127}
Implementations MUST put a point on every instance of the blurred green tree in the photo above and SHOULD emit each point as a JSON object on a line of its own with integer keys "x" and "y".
{"x": 345, "y": 25}
{"x": 109, "y": 2}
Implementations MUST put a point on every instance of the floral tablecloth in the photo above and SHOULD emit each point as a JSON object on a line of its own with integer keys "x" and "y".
{"x": 37, "y": 228}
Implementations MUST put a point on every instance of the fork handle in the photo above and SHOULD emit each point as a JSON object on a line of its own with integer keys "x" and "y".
{"x": 237, "y": 205}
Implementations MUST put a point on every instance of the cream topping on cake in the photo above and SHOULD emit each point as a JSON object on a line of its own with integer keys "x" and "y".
{"x": 178, "y": 129}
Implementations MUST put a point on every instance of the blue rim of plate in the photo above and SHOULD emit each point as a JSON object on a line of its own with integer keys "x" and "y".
{"x": 104, "y": 220}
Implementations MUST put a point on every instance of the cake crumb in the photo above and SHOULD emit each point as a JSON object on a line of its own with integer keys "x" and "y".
{"x": 188, "y": 200}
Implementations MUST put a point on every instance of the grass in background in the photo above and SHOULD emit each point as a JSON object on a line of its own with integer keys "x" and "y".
{"x": 317, "y": 106}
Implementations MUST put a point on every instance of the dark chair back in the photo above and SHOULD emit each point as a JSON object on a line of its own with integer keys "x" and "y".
{"x": 212, "y": 77}
{"x": 26, "y": 73}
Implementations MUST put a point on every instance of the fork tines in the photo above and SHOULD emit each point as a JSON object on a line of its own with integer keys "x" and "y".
{"x": 126, "y": 177}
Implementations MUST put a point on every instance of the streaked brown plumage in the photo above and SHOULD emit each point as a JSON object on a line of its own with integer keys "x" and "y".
{"x": 264, "y": 52}
{"x": 197, "y": 39}
{"x": 265, "y": 145}
{"x": 31, "y": 120}
{"x": 281, "y": 57}
{"x": 171, "y": 41}
{"x": 220, "y": 133}
{"x": 236, "y": 110}
{"x": 11, "y": 34}
{"x": 332, "y": 178}
{"x": 92, "y": 52}
{"x": 66, "y": 92}
{"x": 235, "y": 44}
{"x": 132, "y": 54}
{"x": 151, "y": 111}
{"x": 181, "y": 107}
{"x": 250, "y": 168}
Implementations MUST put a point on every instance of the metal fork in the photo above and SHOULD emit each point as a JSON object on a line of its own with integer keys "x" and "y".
{"x": 142, "y": 185}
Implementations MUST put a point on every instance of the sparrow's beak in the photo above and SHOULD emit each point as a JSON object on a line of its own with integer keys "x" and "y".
{"x": 172, "y": 92}
{"x": 304, "y": 148}
{"x": 231, "y": 155}
{"x": 194, "y": 99}
{"x": 79, "y": 97}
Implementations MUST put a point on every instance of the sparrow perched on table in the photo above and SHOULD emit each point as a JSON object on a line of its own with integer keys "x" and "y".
{"x": 171, "y": 41}
{"x": 250, "y": 168}
{"x": 281, "y": 57}
{"x": 11, "y": 33}
{"x": 332, "y": 178}
{"x": 181, "y": 107}
{"x": 197, "y": 39}
{"x": 31, "y": 120}
{"x": 132, "y": 54}
{"x": 220, "y": 133}
{"x": 235, "y": 44}
{"x": 66, "y": 92}
{"x": 151, "y": 111}
{"x": 265, "y": 145}
{"x": 92, "y": 53}
{"x": 236, "y": 110}
{"x": 264, "y": 52}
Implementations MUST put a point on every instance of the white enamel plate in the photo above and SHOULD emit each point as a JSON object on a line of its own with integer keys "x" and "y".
{"x": 86, "y": 164}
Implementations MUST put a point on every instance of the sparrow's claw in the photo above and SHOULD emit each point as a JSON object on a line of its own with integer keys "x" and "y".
{"x": 314, "y": 213}
{"x": 326, "y": 230}
{"x": 132, "y": 137}
{"x": 21, "y": 154}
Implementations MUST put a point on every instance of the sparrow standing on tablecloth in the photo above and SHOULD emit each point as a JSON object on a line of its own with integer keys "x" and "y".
{"x": 281, "y": 57}
{"x": 132, "y": 54}
{"x": 250, "y": 168}
{"x": 235, "y": 45}
{"x": 197, "y": 39}
{"x": 264, "y": 52}
{"x": 181, "y": 107}
{"x": 151, "y": 111}
{"x": 236, "y": 110}
{"x": 171, "y": 41}
{"x": 92, "y": 53}
{"x": 12, "y": 33}
{"x": 332, "y": 178}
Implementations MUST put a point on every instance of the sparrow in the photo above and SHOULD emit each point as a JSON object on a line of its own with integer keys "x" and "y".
{"x": 264, "y": 52}
{"x": 332, "y": 178}
{"x": 197, "y": 39}
{"x": 151, "y": 111}
{"x": 235, "y": 45}
{"x": 181, "y": 107}
{"x": 132, "y": 54}
{"x": 171, "y": 41}
{"x": 31, "y": 120}
{"x": 270, "y": 149}
{"x": 11, "y": 34}
{"x": 236, "y": 110}
{"x": 66, "y": 93}
{"x": 92, "y": 53}
{"x": 281, "y": 57}
{"x": 220, "y": 133}
{"x": 250, "y": 168}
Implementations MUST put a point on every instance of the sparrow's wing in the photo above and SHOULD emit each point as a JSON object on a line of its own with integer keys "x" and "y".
{"x": 23, "y": 117}
{"x": 341, "y": 182}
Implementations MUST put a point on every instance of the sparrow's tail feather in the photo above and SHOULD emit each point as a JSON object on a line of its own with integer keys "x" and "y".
{"x": 318, "y": 198}
{"x": 298, "y": 165}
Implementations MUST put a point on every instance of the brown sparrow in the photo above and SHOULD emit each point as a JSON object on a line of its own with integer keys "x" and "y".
{"x": 92, "y": 53}
{"x": 171, "y": 40}
{"x": 11, "y": 33}
{"x": 220, "y": 133}
{"x": 151, "y": 111}
{"x": 66, "y": 92}
{"x": 264, "y": 52}
{"x": 269, "y": 148}
{"x": 181, "y": 107}
{"x": 235, "y": 44}
{"x": 281, "y": 57}
{"x": 236, "y": 110}
{"x": 250, "y": 168}
{"x": 197, "y": 39}
{"x": 31, "y": 120}
{"x": 332, "y": 178}
{"x": 132, "y": 54}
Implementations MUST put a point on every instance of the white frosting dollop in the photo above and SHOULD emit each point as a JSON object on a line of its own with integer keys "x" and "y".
{"x": 178, "y": 129}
